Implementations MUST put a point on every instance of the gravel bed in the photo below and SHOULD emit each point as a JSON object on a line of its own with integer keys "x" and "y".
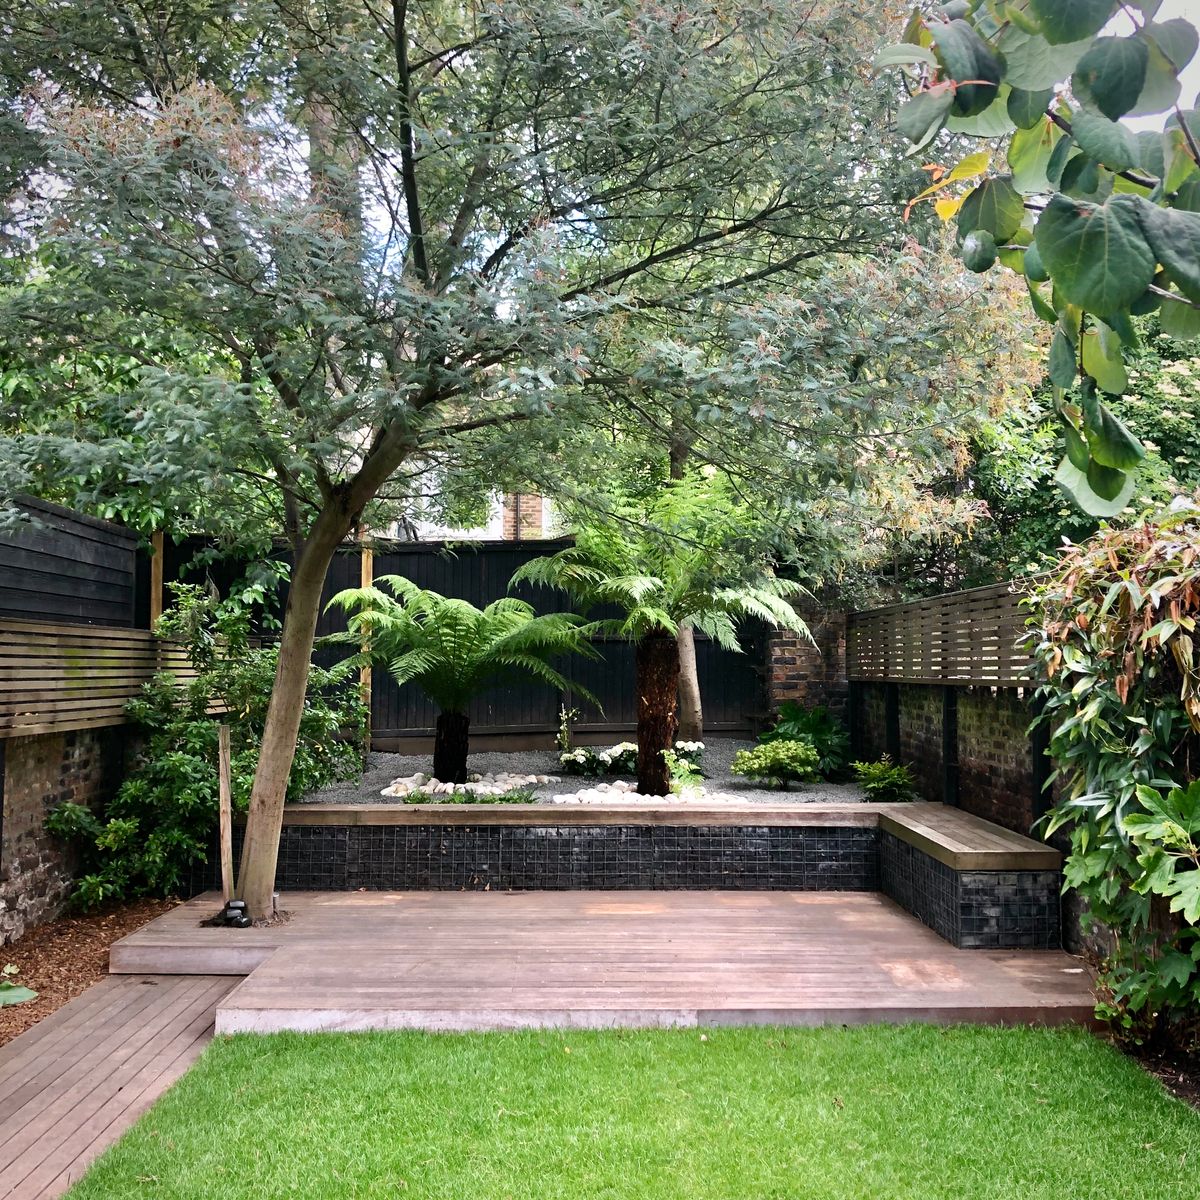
{"x": 718, "y": 756}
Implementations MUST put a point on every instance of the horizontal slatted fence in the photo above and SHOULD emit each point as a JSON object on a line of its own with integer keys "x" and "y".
{"x": 59, "y": 677}
{"x": 963, "y": 638}
{"x": 62, "y": 566}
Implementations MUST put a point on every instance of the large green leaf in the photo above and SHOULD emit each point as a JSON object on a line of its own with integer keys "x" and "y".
{"x": 978, "y": 250}
{"x": 1160, "y": 91}
{"x": 993, "y": 206}
{"x": 1096, "y": 254}
{"x": 921, "y": 118}
{"x": 1027, "y": 109}
{"x": 1069, "y": 20}
{"x": 1030, "y": 62}
{"x": 1177, "y": 39}
{"x": 1076, "y": 484}
{"x": 1111, "y": 75}
{"x": 1174, "y": 238}
{"x": 1112, "y": 446}
{"x": 904, "y": 55}
{"x": 1061, "y": 364}
{"x": 993, "y": 122}
{"x": 15, "y": 993}
{"x": 1104, "y": 140}
{"x": 1179, "y": 320}
{"x": 1029, "y": 155}
{"x": 1104, "y": 362}
{"x": 969, "y": 61}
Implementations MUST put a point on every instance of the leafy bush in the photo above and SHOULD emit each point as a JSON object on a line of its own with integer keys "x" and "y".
{"x": 778, "y": 763}
{"x": 1120, "y": 699}
{"x": 162, "y": 819}
{"x": 816, "y": 725}
{"x": 684, "y": 772}
{"x": 522, "y": 795}
{"x": 885, "y": 782}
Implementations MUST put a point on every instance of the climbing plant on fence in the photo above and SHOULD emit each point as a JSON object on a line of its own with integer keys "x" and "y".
{"x": 1120, "y": 691}
{"x": 1102, "y": 220}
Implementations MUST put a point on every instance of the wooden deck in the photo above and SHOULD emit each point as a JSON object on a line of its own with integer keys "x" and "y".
{"x": 72, "y": 1084}
{"x": 496, "y": 960}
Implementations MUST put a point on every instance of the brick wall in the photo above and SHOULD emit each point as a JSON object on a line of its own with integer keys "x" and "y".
{"x": 37, "y": 774}
{"x": 921, "y": 737}
{"x": 809, "y": 674}
{"x": 995, "y": 757}
{"x": 869, "y": 721}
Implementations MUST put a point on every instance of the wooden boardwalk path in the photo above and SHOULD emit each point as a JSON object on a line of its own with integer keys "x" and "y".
{"x": 72, "y": 1084}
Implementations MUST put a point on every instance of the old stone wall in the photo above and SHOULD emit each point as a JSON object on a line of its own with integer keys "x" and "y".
{"x": 995, "y": 757}
{"x": 37, "y": 774}
{"x": 921, "y": 737}
{"x": 809, "y": 674}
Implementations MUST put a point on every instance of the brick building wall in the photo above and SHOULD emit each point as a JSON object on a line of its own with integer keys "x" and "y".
{"x": 809, "y": 674}
{"x": 37, "y": 774}
{"x": 523, "y": 517}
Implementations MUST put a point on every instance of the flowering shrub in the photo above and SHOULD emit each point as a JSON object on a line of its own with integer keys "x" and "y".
{"x": 620, "y": 759}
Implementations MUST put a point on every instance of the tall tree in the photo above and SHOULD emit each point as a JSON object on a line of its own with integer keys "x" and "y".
{"x": 393, "y": 229}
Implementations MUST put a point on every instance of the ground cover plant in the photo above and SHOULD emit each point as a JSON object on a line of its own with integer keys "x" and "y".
{"x": 910, "y": 1113}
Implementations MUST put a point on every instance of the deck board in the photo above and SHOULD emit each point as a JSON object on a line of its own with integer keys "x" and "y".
{"x": 497, "y": 960}
{"x": 74, "y": 1083}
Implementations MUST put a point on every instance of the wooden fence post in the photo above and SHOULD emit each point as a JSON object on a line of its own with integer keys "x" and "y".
{"x": 225, "y": 790}
{"x": 156, "y": 577}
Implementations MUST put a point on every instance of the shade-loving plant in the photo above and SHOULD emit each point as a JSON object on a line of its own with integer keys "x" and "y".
{"x": 452, "y": 651}
{"x": 779, "y": 763}
{"x": 816, "y": 725}
{"x": 662, "y": 560}
{"x": 884, "y": 781}
{"x": 1119, "y": 690}
{"x": 162, "y": 819}
{"x": 11, "y": 992}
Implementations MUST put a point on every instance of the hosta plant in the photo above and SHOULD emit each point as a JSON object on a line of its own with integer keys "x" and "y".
{"x": 1120, "y": 697}
{"x": 778, "y": 764}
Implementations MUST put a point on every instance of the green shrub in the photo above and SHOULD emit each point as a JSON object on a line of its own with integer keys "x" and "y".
{"x": 885, "y": 782}
{"x": 817, "y": 725}
{"x": 162, "y": 819}
{"x": 778, "y": 763}
{"x": 1120, "y": 698}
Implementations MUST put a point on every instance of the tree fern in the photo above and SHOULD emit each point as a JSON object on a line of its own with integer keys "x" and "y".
{"x": 452, "y": 650}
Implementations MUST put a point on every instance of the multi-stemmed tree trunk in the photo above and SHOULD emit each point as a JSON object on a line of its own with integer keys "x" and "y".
{"x": 451, "y": 745}
{"x": 656, "y": 667}
{"x": 691, "y": 705}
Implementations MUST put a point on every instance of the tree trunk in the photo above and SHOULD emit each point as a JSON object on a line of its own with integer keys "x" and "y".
{"x": 691, "y": 709}
{"x": 656, "y": 660}
{"x": 450, "y": 746}
{"x": 256, "y": 879}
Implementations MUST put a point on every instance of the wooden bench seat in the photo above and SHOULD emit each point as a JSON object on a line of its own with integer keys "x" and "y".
{"x": 965, "y": 842}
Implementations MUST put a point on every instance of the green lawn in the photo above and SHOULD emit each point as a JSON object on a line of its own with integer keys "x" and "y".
{"x": 879, "y": 1113}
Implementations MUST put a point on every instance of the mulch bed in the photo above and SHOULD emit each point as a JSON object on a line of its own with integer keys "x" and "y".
{"x": 1178, "y": 1073}
{"x": 64, "y": 957}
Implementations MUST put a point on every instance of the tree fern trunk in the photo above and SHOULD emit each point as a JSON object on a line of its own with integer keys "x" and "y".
{"x": 656, "y": 660}
{"x": 451, "y": 742}
{"x": 691, "y": 705}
